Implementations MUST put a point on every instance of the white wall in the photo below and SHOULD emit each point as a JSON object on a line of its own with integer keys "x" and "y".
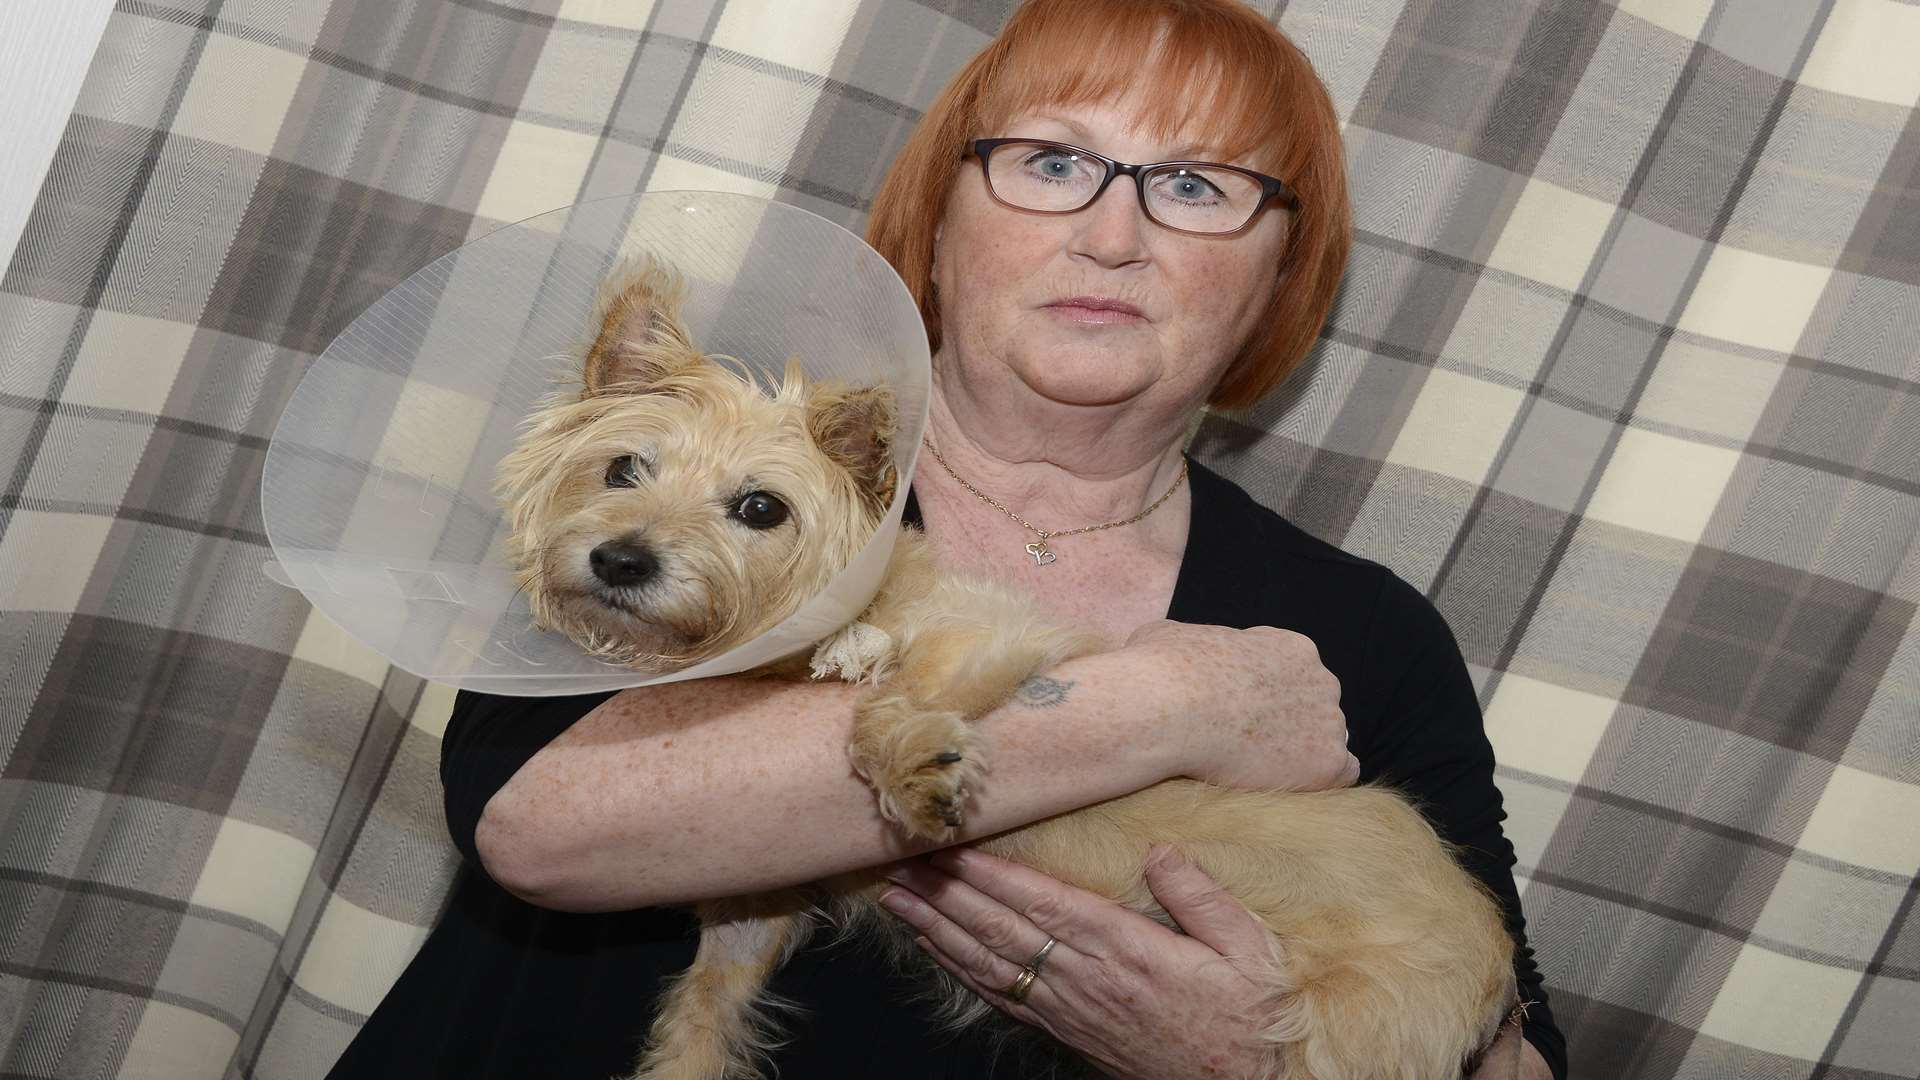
{"x": 45, "y": 47}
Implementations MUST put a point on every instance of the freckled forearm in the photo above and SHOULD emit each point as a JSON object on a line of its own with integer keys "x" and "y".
{"x": 696, "y": 790}
{"x": 673, "y": 793}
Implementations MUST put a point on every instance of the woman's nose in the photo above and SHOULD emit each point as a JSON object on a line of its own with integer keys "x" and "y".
{"x": 1112, "y": 231}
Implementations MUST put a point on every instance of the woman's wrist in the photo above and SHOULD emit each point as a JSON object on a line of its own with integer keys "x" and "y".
{"x": 1132, "y": 717}
{"x": 1163, "y": 720}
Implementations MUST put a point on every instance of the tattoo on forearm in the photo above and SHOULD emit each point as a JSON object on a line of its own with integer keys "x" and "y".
{"x": 1041, "y": 692}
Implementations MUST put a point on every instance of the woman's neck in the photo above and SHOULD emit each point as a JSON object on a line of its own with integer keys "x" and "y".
{"x": 1107, "y": 581}
{"x": 1059, "y": 467}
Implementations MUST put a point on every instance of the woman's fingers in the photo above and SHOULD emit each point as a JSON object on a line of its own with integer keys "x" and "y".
{"x": 1204, "y": 910}
{"x": 956, "y": 943}
{"x": 1028, "y": 1011}
{"x": 1010, "y": 910}
{"x": 1004, "y": 929}
{"x": 1055, "y": 908}
{"x": 952, "y": 927}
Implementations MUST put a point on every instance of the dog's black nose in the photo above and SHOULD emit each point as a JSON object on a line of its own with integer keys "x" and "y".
{"x": 622, "y": 562}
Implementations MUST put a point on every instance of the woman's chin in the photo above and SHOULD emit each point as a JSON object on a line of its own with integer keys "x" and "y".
{"x": 1085, "y": 388}
{"x": 1086, "y": 376}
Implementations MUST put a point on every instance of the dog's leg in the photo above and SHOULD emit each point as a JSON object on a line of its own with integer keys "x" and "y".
{"x": 712, "y": 1023}
{"x": 859, "y": 652}
{"x": 912, "y": 737}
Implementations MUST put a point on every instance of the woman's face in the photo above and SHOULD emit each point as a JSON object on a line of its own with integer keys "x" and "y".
{"x": 1033, "y": 297}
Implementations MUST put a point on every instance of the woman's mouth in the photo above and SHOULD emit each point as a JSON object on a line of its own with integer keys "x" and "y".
{"x": 1095, "y": 309}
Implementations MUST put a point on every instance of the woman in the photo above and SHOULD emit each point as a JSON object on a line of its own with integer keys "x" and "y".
{"x": 1082, "y": 311}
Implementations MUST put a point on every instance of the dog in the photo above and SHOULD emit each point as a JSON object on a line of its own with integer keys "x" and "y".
{"x": 670, "y": 507}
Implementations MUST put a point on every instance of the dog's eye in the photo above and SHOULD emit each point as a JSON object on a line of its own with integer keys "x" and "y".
{"x": 623, "y": 471}
{"x": 760, "y": 510}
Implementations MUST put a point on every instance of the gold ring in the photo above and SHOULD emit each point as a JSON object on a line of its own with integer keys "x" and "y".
{"x": 1022, "y": 985}
{"x": 1041, "y": 956}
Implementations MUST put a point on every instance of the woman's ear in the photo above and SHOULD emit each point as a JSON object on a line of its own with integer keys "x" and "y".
{"x": 933, "y": 268}
{"x": 638, "y": 336}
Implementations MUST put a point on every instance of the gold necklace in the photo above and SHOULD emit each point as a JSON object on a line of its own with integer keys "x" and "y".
{"x": 1042, "y": 554}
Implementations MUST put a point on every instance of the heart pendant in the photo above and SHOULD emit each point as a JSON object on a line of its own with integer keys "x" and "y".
{"x": 1042, "y": 554}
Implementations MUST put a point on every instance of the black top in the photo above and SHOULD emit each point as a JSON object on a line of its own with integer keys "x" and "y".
{"x": 505, "y": 989}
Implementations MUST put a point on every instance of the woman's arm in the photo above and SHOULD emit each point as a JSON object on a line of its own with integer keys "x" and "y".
{"x": 1428, "y": 740}
{"x": 691, "y": 790}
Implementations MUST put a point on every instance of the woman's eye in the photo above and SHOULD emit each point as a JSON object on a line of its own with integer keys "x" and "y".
{"x": 1189, "y": 187}
{"x": 760, "y": 510}
{"x": 1054, "y": 164}
{"x": 623, "y": 471}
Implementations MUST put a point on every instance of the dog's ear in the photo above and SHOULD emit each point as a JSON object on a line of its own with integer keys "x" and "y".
{"x": 638, "y": 336}
{"x": 855, "y": 427}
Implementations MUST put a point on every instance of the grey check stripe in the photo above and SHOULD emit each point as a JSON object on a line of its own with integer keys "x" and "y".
{"x": 142, "y": 897}
{"x": 1744, "y": 837}
{"x": 211, "y": 530}
{"x": 680, "y": 91}
{"x": 607, "y": 128}
{"x": 1734, "y": 931}
{"x": 330, "y": 1010}
{"x": 1902, "y": 918}
{"x": 119, "y": 986}
{"x": 160, "y": 421}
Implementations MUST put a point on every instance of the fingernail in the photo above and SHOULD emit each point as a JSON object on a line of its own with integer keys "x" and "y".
{"x": 1167, "y": 857}
{"x": 895, "y": 900}
{"x": 952, "y": 858}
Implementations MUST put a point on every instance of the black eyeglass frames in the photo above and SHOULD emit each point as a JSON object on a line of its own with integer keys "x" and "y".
{"x": 1205, "y": 198}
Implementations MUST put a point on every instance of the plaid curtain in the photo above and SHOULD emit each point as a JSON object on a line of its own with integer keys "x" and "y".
{"x": 1626, "y": 375}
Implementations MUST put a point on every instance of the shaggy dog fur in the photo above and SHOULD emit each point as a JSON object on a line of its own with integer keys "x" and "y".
{"x": 670, "y": 508}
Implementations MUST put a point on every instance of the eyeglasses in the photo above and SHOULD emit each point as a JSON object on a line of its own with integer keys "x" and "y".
{"x": 1201, "y": 197}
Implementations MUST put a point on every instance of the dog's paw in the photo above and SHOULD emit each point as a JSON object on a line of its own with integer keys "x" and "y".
{"x": 858, "y": 651}
{"x": 920, "y": 762}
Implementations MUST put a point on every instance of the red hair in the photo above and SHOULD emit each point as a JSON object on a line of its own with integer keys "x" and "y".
{"x": 1267, "y": 109}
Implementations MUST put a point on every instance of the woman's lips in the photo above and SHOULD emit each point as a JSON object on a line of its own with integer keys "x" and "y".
{"x": 1095, "y": 309}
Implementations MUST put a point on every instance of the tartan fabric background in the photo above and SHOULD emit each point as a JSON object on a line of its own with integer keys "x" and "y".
{"x": 1626, "y": 375}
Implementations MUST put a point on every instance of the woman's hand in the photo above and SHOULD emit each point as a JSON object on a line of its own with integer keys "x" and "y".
{"x": 1137, "y": 999}
{"x": 1512, "y": 1058}
{"x": 1262, "y": 710}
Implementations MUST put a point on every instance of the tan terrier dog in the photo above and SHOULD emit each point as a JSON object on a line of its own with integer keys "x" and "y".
{"x": 671, "y": 509}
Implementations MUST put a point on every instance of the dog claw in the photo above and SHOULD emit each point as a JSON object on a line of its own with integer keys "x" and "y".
{"x": 919, "y": 760}
{"x": 949, "y": 808}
